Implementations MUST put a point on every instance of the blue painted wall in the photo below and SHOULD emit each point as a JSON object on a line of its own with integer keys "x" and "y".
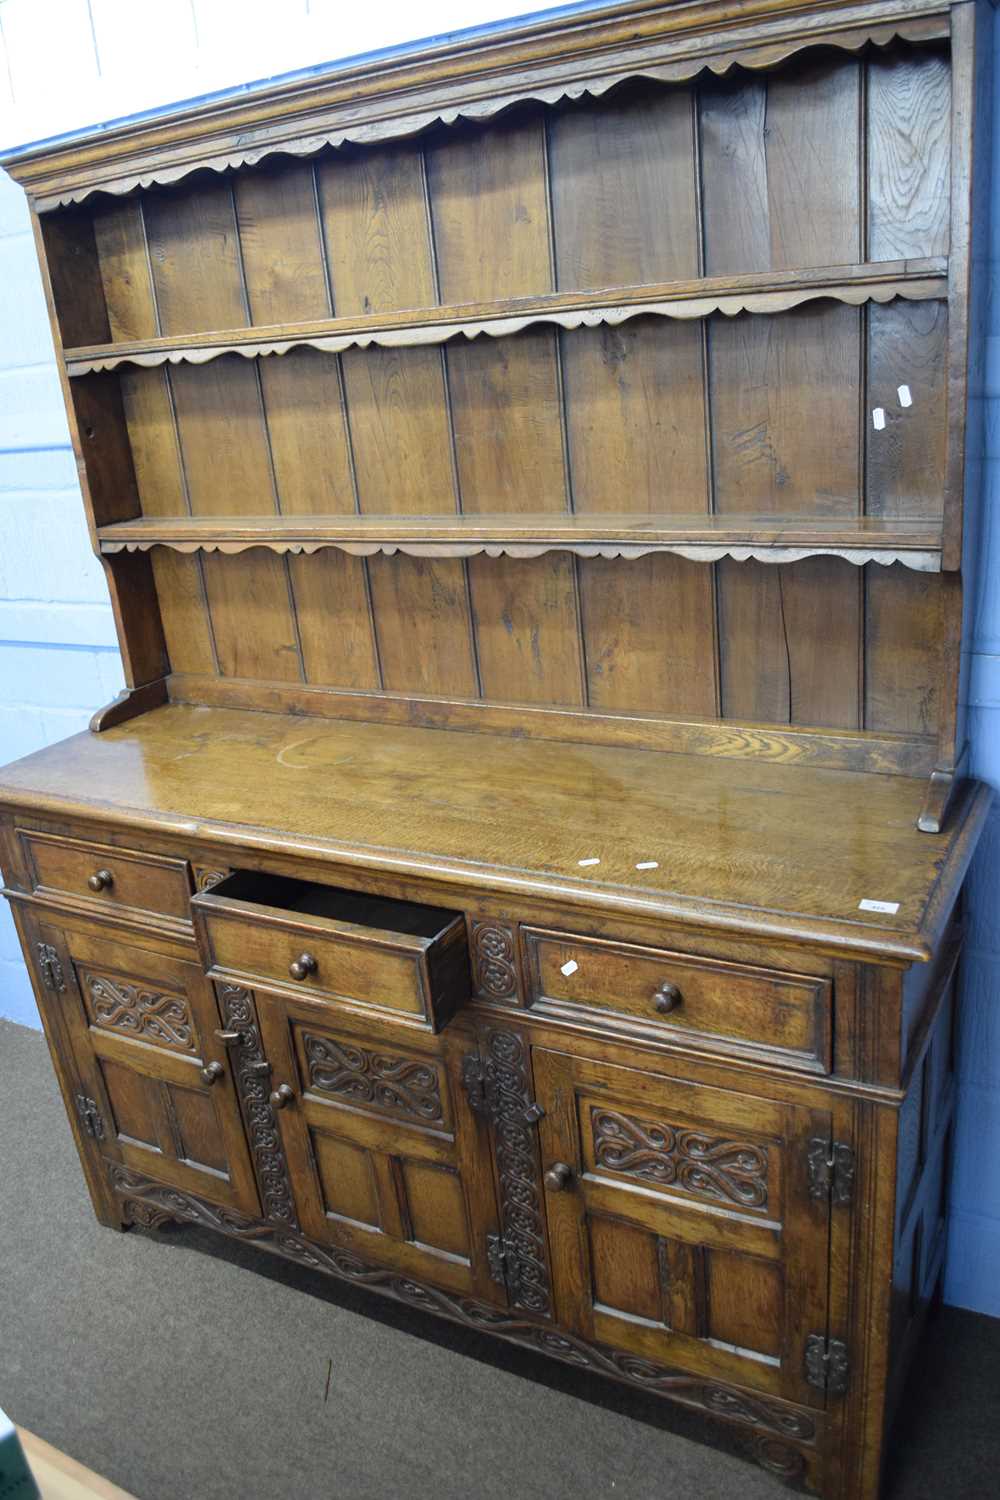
{"x": 58, "y": 658}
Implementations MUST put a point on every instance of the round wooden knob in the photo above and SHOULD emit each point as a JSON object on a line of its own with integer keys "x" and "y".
{"x": 282, "y": 1095}
{"x": 212, "y": 1072}
{"x": 101, "y": 880}
{"x": 302, "y": 966}
{"x": 667, "y": 998}
{"x": 559, "y": 1176}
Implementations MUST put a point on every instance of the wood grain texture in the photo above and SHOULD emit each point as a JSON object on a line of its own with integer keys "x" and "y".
{"x": 623, "y": 190}
{"x": 909, "y": 106}
{"x": 195, "y": 257}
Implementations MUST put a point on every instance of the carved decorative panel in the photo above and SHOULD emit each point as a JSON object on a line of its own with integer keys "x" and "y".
{"x": 154, "y": 1015}
{"x": 252, "y": 1074}
{"x": 711, "y": 1166}
{"x": 773, "y": 1425}
{"x": 494, "y": 961}
{"x": 401, "y": 1085}
{"x": 505, "y": 1063}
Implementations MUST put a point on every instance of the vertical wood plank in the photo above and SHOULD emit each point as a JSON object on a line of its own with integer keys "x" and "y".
{"x": 787, "y": 657}
{"x": 252, "y": 616}
{"x": 120, "y": 234}
{"x": 378, "y": 240}
{"x": 785, "y": 409}
{"x": 623, "y": 189}
{"x": 525, "y": 619}
{"x": 649, "y": 627}
{"x": 374, "y": 212}
{"x": 489, "y": 207}
{"x": 198, "y": 282}
{"x": 281, "y": 244}
{"x": 909, "y": 113}
{"x": 421, "y": 615}
{"x": 222, "y": 432}
{"x": 635, "y": 416}
{"x": 905, "y": 461}
{"x": 903, "y": 648}
{"x": 195, "y": 258}
{"x": 152, "y": 433}
{"x": 306, "y": 423}
{"x": 785, "y": 406}
{"x": 184, "y": 611}
{"x": 506, "y": 405}
{"x": 780, "y": 169}
{"x": 338, "y": 642}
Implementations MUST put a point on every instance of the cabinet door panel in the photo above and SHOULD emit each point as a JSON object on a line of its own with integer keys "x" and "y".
{"x": 385, "y": 1156}
{"x": 143, "y": 1028}
{"x": 681, "y": 1222}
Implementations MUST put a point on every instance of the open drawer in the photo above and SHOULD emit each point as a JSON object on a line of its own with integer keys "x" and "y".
{"x": 269, "y": 930}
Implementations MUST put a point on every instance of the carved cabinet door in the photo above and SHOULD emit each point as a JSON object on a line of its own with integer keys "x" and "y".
{"x": 156, "y": 1094}
{"x": 384, "y": 1155}
{"x": 681, "y": 1223}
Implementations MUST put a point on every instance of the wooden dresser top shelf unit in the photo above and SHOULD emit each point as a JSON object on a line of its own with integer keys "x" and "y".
{"x": 536, "y": 475}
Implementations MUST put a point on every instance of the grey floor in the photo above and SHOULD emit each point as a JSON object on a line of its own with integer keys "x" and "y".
{"x": 179, "y": 1365}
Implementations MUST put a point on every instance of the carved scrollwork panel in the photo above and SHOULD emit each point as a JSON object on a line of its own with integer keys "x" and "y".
{"x": 505, "y": 1062}
{"x": 709, "y": 1166}
{"x": 128, "y": 1005}
{"x": 405, "y": 1086}
{"x": 494, "y": 961}
{"x": 253, "y": 1088}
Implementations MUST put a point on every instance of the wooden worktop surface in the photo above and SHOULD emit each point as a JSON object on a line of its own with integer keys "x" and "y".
{"x": 738, "y": 844}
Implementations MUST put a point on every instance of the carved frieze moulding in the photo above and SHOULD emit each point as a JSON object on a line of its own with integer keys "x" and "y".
{"x": 781, "y": 1436}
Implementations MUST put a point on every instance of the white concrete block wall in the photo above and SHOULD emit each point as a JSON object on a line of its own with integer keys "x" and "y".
{"x": 68, "y": 63}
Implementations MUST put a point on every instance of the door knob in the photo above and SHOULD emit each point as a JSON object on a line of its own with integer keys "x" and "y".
{"x": 101, "y": 880}
{"x": 558, "y": 1177}
{"x": 667, "y": 998}
{"x": 212, "y": 1072}
{"x": 302, "y": 966}
{"x": 282, "y": 1095}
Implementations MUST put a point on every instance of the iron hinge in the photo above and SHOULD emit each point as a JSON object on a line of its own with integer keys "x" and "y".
{"x": 90, "y": 1117}
{"x": 483, "y": 1092}
{"x": 51, "y": 968}
{"x": 827, "y": 1364}
{"x": 509, "y": 1269}
{"x": 831, "y": 1171}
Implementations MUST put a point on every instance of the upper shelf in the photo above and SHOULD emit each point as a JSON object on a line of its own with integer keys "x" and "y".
{"x": 774, "y": 539}
{"x": 757, "y": 292}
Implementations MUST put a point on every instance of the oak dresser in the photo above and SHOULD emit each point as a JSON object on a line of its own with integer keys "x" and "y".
{"x": 535, "y": 478}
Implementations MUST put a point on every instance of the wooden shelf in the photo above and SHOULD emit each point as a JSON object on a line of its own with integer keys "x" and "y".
{"x": 759, "y": 292}
{"x": 776, "y": 539}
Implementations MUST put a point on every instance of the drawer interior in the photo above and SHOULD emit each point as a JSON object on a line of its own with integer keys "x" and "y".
{"x": 310, "y": 899}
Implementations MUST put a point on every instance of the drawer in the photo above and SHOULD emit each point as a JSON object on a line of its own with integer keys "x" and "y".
{"x": 103, "y": 874}
{"x": 406, "y": 959}
{"x": 651, "y": 993}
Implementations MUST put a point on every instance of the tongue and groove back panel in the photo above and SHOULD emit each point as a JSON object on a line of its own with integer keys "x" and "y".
{"x": 832, "y": 160}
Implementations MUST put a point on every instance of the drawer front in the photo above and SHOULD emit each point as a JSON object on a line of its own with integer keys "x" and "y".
{"x": 103, "y": 874}
{"x": 352, "y": 969}
{"x": 651, "y": 993}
